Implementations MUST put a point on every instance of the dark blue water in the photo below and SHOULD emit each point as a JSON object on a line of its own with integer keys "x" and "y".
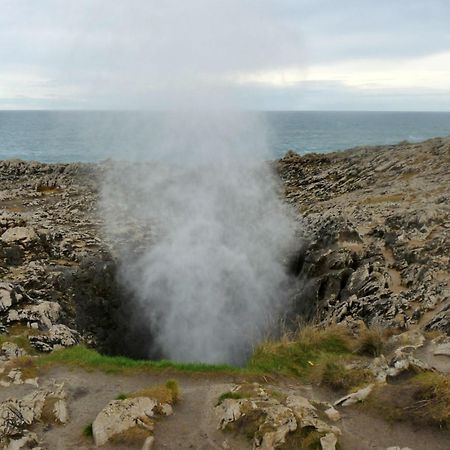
{"x": 91, "y": 136}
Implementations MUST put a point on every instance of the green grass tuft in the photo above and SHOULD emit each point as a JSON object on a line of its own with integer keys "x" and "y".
{"x": 81, "y": 356}
{"x": 87, "y": 430}
{"x": 229, "y": 394}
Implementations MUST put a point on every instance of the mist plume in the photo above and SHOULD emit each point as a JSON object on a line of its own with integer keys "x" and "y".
{"x": 211, "y": 281}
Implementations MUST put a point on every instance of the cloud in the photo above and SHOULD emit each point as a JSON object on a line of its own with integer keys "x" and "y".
{"x": 98, "y": 53}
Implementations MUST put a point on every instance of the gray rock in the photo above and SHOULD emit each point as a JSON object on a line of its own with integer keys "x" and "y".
{"x": 25, "y": 236}
{"x": 121, "y": 415}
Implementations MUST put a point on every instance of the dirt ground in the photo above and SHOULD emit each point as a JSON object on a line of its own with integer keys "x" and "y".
{"x": 194, "y": 425}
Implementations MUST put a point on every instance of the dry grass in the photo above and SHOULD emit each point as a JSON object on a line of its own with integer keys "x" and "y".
{"x": 338, "y": 374}
{"x": 133, "y": 436}
{"x": 387, "y": 198}
{"x": 423, "y": 399}
{"x": 168, "y": 393}
{"x": 48, "y": 415}
{"x": 26, "y": 364}
{"x": 370, "y": 342}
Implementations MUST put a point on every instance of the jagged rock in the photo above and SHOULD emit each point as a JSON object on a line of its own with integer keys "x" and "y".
{"x": 273, "y": 419}
{"x": 10, "y": 350}
{"x": 149, "y": 443}
{"x": 443, "y": 349}
{"x": 10, "y": 295}
{"x": 398, "y": 448}
{"x": 355, "y": 397}
{"x": 58, "y": 336}
{"x": 43, "y": 315}
{"x": 27, "y": 441}
{"x": 17, "y": 414}
{"x": 121, "y": 415}
{"x": 25, "y": 236}
{"x": 333, "y": 414}
{"x": 328, "y": 442}
{"x": 60, "y": 411}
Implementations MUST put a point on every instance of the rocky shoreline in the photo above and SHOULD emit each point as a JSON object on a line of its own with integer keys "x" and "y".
{"x": 374, "y": 248}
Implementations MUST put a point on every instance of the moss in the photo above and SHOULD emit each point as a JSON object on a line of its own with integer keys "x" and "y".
{"x": 174, "y": 388}
{"x": 87, "y": 430}
{"x": 236, "y": 395}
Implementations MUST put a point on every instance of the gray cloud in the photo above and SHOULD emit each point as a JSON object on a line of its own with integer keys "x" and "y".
{"x": 101, "y": 54}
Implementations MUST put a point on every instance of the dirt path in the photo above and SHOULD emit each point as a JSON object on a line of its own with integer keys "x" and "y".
{"x": 194, "y": 425}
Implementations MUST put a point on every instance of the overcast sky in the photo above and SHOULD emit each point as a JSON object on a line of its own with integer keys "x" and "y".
{"x": 253, "y": 54}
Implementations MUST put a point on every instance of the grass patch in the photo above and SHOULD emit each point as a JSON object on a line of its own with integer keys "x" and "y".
{"x": 236, "y": 395}
{"x": 132, "y": 436}
{"x": 370, "y": 342}
{"x": 18, "y": 334}
{"x": 377, "y": 199}
{"x": 81, "y": 356}
{"x": 121, "y": 397}
{"x": 159, "y": 392}
{"x": 421, "y": 399}
{"x": 304, "y": 351}
{"x": 335, "y": 373}
{"x": 87, "y": 430}
{"x": 26, "y": 364}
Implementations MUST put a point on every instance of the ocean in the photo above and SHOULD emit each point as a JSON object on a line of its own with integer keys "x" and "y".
{"x": 68, "y": 136}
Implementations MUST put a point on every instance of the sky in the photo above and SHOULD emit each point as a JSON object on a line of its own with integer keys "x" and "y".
{"x": 249, "y": 54}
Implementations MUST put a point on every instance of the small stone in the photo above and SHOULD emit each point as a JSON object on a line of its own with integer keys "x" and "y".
{"x": 442, "y": 349}
{"x": 333, "y": 414}
{"x": 355, "y": 397}
{"x": 149, "y": 443}
{"x": 328, "y": 442}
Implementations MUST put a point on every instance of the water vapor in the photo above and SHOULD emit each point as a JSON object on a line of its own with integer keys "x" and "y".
{"x": 211, "y": 278}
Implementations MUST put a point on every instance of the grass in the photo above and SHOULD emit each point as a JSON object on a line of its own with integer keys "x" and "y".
{"x": 233, "y": 395}
{"x": 336, "y": 374}
{"x": 167, "y": 393}
{"x": 87, "y": 430}
{"x": 298, "y": 355}
{"x": 81, "y": 356}
{"x": 377, "y": 199}
{"x": 18, "y": 334}
{"x": 421, "y": 399}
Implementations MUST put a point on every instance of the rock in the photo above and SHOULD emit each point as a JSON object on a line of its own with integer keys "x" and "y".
{"x": 27, "y": 441}
{"x": 58, "y": 336}
{"x": 442, "y": 349}
{"x": 355, "y": 397}
{"x": 19, "y": 235}
{"x": 60, "y": 411}
{"x": 149, "y": 443}
{"x": 10, "y": 295}
{"x": 398, "y": 448}
{"x": 17, "y": 414}
{"x": 333, "y": 414}
{"x": 230, "y": 410}
{"x": 10, "y": 350}
{"x": 328, "y": 442}
{"x": 43, "y": 315}
{"x": 121, "y": 415}
{"x": 278, "y": 423}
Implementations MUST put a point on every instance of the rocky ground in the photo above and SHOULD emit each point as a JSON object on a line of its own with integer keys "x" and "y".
{"x": 375, "y": 250}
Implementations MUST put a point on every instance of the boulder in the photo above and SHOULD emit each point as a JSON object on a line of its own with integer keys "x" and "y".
{"x": 25, "y": 236}
{"x": 58, "y": 336}
{"x": 355, "y": 397}
{"x": 9, "y": 350}
{"x": 42, "y": 315}
{"x": 121, "y": 415}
